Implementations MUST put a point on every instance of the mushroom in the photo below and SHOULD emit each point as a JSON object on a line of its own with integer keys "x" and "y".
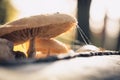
{"x": 48, "y": 47}
{"x": 39, "y": 26}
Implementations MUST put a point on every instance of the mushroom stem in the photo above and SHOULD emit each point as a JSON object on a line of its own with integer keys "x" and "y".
{"x": 31, "y": 50}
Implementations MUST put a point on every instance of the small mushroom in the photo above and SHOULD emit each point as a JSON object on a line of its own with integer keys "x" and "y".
{"x": 48, "y": 47}
{"x": 41, "y": 26}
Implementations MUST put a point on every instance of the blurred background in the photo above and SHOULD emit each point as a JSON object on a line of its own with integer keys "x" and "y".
{"x": 99, "y": 19}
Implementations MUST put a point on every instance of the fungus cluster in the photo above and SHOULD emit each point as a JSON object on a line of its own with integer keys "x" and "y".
{"x": 40, "y": 31}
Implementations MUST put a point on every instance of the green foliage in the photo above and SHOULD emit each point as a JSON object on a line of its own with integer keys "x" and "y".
{"x": 7, "y": 11}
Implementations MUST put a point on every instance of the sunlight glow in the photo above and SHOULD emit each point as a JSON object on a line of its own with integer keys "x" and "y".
{"x": 105, "y": 20}
{"x": 98, "y": 10}
{"x": 97, "y": 14}
{"x": 112, "y": 28}
{"x": 113, "y": 10}
{"x": 35, "y": 7}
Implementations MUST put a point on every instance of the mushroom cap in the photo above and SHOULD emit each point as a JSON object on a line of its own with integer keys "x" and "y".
{"x": 49, "y": 47}
{"x": 42, "y": 26}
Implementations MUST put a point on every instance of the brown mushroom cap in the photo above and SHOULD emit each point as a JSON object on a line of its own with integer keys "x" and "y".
{"x": 42, "y": 26}
{"x": 50, "y": 46}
